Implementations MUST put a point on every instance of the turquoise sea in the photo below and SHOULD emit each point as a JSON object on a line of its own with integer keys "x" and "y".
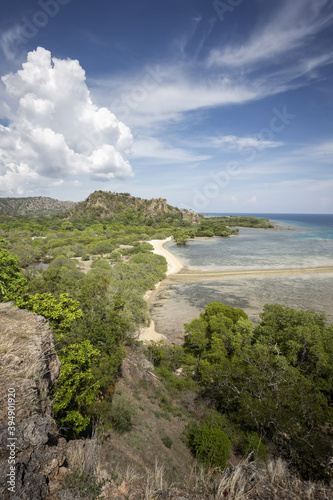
{"x": 305, "y": 240}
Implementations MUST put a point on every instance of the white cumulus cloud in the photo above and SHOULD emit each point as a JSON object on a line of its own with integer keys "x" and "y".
{"x": 55, "y": 131}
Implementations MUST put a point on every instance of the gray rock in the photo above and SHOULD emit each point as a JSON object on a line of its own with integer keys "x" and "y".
{"x": 147, "y": 365}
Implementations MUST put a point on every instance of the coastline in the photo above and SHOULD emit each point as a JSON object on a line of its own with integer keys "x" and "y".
{"x": 148, "y": 333}
{"x": 174, "y": 264}
{"x": 192, "y": 274}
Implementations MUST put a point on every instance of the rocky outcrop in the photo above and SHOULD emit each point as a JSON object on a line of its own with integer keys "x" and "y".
{"x": 190, "y": 216}
{"x": 29, "y": 367}
{"x": 158, "y": 205}
{"x": 28, "y": 362}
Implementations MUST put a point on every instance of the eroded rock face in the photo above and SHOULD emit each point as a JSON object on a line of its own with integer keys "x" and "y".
{"x": 159, "y": 204}
{"x": 28, "y": 362}
{"x": 190, "y": 216}
{"x": 29, "y": 367}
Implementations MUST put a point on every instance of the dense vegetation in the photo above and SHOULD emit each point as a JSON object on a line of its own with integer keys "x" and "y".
{"x": 219, "y": 226}
{"x": 266, "y": 389}
{"x": 243, "y": 221}
{"x": 93, "y": 316}
{"x": 269, "y": 388}
{"x": 118, "y": 217}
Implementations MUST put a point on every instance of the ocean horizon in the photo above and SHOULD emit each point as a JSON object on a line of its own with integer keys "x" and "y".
{"x": 312, "y": 219}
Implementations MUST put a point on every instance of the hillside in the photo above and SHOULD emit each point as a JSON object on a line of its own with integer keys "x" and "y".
{"x": 34, "y": 206}
{"x": 100, "y": 205}
{"x": 149, "y": 460}
{"x": 107, "y": 205}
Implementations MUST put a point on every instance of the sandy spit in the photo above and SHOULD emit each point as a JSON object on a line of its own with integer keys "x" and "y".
{"x": 192, "y": 275}
{"x": 147, "y": 334}
{"x": 174, "y": 264}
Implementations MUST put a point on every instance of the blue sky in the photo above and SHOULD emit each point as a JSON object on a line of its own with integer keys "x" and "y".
{"x": 218, "y": 106}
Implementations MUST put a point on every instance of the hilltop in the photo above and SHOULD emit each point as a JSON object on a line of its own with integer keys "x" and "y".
{"x": 100, "y": 205}
{"x": 34, "y": 206}
{"x": 107, "y": 205}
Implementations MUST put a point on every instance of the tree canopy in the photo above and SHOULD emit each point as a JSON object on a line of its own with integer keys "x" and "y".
{"x": 273, "y": 381}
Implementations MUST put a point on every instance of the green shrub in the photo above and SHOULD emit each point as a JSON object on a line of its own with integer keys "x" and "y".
{"x": 156, "y": 352}
{"x": 147, "y": 247}
{"x": 115, "y": 256}
{"x": 207, "y": 441}
{"x": 79, "y": 249}
{"x": 121, "y": 415}
{"x": 11, "y": 278}
{"x": 75, "y": 388}
{"x": 252, "y": 443}
{"x": 167, "y": 441}
{"x": 100, "y": 264}
{"x": 62, "y": 261}
{"x": 85, "y": 257}
{"x": 83, "y": 485}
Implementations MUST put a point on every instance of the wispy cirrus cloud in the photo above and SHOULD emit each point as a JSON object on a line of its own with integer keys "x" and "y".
{"x": 235, "y": 143}
{"x": 322, "y": 152}
{"x": 162, "y": 152}
{"x": 10, "y": 41}
{"x": 275, "y": 58}
{"x": 291, "y": 28}
{"x": 176, "y": 92}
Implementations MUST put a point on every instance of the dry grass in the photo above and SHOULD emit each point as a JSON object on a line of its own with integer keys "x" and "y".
{"x": 245, "y": 481}
{"x": 216, "y": 482}
{"x": 155, "y": 481}
{"x": 84, "y": 477}
{"x": 279, "y": 475}
{"x": 277, "y": 471}
{"x": 84, "y": 458}
{"x": 22, "y": 358}
{"x": 234, "y": 483}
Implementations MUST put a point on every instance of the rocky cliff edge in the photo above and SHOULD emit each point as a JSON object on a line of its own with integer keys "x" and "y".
{"x": 29, "y": 368}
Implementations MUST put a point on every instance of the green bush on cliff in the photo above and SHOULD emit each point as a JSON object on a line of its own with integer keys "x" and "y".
{"x": 76, "y": 389}
{"x": 12, "y": 281}
{"x": 59, "y": 311}
{"x": 208, "y": 442}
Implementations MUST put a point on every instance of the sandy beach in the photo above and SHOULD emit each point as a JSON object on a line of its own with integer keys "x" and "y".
{"x": 175, "y": 265}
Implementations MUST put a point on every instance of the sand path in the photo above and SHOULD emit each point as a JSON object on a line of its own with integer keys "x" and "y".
{"x": 192, "y": 275}
{"x": 174, "y": 264}
{"x": 147, "y": 334}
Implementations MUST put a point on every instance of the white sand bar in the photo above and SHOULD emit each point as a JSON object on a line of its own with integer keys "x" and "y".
{"x": 175, "y": 265}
